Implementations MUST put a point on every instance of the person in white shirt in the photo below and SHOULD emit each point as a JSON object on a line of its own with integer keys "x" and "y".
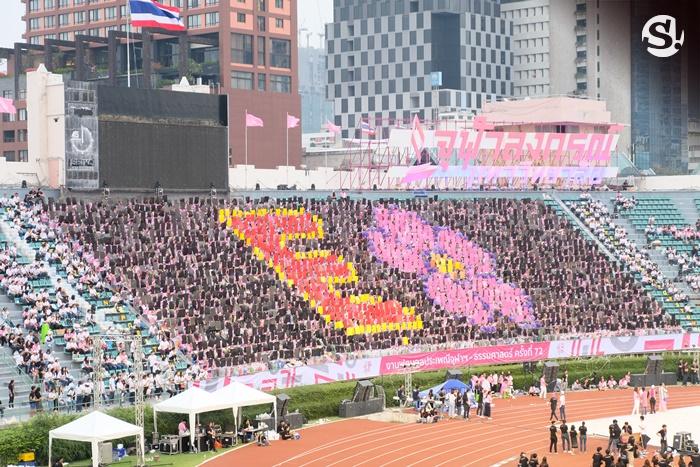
{"x": 643, "y": 432}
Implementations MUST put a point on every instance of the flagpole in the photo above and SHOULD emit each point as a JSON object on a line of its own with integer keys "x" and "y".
{"x": 128, "y": 39}
{"x": 246, "y": 150}
{"x": 287, "y": 125}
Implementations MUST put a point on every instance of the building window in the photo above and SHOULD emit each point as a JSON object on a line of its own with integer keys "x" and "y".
{"x": 280, "y": 83}
{"x": 241, "y": 80}
{"x": 261, "y": 51}
{"x": 279, "y": 3}
{"x": 94, "y": 32}
{"x": 95, "y": 15}
{"x": 280, "y": 53}
{"x": 212, "y": 18}
{"x": 8, "y": 136}
{"x": 79, "y": 17}
{"x": 48, "y": 4}
{"x": 111, "y": 13}
{"x": 279, "y": 23}
{"x": 193, "y": 3}
{"x": 9, "y": 118}
{"x": 262, "y": 24}
{"x": 261, "y": 5}
{"x": 63, "y": 20}
{"x": 261, "y": 82}
{"x": 122, "y": 11}
{"x": 23, "y": 156}
{"x": 212, "y": 2}
{"x": 78, "y": 2}
{"x": 35, "y": 40}
{"x": 49, "y": 21}
{"x": 9, "y": 156}
{"x": 241, "y": 17}
{"x": 242, "y": 48}
{"x": 33, "y": 5}
{"x": 63, "y": 3}
{"x": 193, "y": 21}
{"x": 21, "y": 136}
{"x": 34, "y": 24}
{"x": 22, "y": 114}
{"x": 63, "y": 36}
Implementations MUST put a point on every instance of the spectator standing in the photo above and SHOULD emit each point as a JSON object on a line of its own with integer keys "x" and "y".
{"x": 583, "y": 437}
{"x": 562, "y": 406}
{"x": 553, "y": 438}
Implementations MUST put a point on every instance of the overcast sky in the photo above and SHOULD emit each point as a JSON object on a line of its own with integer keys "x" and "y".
{"x": 313, "y": 14}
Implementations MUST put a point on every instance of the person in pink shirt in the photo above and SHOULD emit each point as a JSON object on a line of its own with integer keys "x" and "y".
{"x": 644, "y": 400}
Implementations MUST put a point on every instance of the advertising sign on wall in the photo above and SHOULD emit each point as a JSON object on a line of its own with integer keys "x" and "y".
{"x": 82, "y": 154}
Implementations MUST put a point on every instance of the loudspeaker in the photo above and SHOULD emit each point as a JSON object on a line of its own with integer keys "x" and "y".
{"x": 551, "y": 370}
{"x": 681, "y": 440}
{"x": 282, "y": 187}
{"x": 453, "y": 374}
{"x": 282, "y": 405}
{"x": 654, "y": 365}
{"x": 355, "y": 409}
{"x": 363, "y": 391}
{"x": 638, "y": 381}
{"x": 669, "y": 379}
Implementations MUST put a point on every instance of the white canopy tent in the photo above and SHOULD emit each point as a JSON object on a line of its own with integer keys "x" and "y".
{"x": 191, "y": 402}
{"x": 237, "y": 395}
{"x": 94, "y": 428}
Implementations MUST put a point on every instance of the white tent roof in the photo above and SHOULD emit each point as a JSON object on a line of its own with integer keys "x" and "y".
{"x": 96, "y": 427}
{"x": 238, "y": 395}
{"x": 192, "y": 401}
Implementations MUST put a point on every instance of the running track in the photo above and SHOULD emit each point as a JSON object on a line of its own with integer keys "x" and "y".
{"x": 517, "y": 425}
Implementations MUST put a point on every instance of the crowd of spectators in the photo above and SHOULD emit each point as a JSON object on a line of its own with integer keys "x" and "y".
{"x": 59, "y": 311}
{"x": 201, "y": 292}
{"x": 186, "y": 271}
{"x": 636, "y": 259}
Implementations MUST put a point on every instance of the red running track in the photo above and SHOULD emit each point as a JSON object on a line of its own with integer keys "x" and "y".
{"x": 517, "y": 425}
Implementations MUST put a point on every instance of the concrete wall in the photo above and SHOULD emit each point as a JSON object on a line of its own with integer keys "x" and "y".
{"x": 669, "y": 183}
{"x": 45, "y": 132}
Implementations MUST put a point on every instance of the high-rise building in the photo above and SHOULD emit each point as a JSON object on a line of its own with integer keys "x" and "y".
{"x": 573, "y": 47}
{"x": 665, "y": 91}
{"x": 313, "y": 79}
{"x": 246, "y": 48}
{"x": 594, "y": 48}
{"x": 390, "y": 60}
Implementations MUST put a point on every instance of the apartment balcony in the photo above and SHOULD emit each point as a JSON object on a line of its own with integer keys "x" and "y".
{"x": 581, "y": 46}
{"x": 580, "y": 14}
{"x": 580, "y": 30}
{"x": 581, "y": 77}
{"x": 581, "y": 61}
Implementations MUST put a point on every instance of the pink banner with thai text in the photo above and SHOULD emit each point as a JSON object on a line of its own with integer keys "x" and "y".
{"x": 465, "y": 357}
{"x": 352, "y": 369}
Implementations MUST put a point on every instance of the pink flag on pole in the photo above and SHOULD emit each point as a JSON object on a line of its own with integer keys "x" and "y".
{"x": 6, "y": 106}
{"x": 252, "y": 120}
{"x": 331, "y": 127}
{"x": 292, "y": 121}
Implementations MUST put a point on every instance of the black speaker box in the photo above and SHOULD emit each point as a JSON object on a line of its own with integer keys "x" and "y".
{"x": 551, "y": 371}
{"x": 363, "y": 391}
{"x": 282, "y": 405}
{"x": 669, "y": 379}
{"x": 654, "y": 365}
{"x": 350, "y": 409}
{"x": 453, "y": 374}
{"x": 638, "y": 381}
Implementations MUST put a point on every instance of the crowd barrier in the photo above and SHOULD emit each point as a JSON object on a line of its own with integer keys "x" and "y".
{"x": 371, "y": 367}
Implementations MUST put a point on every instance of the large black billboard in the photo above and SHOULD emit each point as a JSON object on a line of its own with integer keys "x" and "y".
{"x": 177, "y": 139}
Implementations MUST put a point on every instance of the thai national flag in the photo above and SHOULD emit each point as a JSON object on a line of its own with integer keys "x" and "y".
{"x": 151, "y": 14}
{"x": 366, "y": 128}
